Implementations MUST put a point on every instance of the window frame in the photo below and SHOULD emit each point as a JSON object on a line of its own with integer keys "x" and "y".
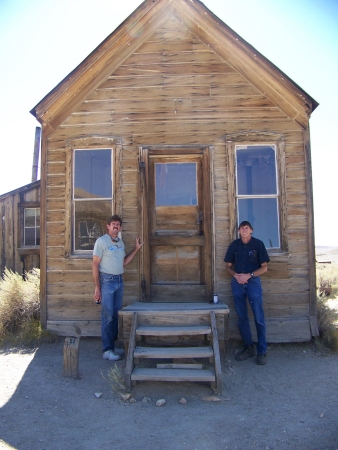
{"x": 91, "y": 143}
{"x": 22, "y": 208}
{"x": 258, "y": 139}
{"x": 89, "y": 199}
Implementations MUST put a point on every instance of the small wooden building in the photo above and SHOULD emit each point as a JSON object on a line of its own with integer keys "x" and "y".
{"x": 20, "y": 229}
{"x": 184, "y": 129}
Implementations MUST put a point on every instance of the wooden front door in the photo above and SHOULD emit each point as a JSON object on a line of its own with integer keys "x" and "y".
{"x": 178, "y": 242}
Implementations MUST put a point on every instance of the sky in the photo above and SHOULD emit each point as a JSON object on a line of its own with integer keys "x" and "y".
{"x": 42, "y": 41}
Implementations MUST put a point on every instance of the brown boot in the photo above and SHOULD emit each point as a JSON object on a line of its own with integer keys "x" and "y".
{"x": 261, "y": 359}
{"x": 246, "y": 352}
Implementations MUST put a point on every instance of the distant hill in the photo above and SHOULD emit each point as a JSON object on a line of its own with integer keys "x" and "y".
{"x": 324, "y": 253}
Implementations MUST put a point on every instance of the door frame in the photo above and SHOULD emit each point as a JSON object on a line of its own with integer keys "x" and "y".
{"x": 144, "y": 154}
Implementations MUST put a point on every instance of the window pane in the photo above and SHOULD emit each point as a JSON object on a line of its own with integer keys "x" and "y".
{"x": 37, "y": 211}
{"x": 256, "y": 170}
{"x": 31, "y": 226}
{"x": 262, "y": 213}
{"x": 92, "y": 174}
{"x": 30, "y": 217}
{"x": 90, "y": 222}
{"x": 30, "y": 236}
{"x": 176, "y": 184}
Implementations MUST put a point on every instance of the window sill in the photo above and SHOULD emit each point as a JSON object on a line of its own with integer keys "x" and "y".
{"x": 279, "y": 256}
{"x": 81, "y": 256}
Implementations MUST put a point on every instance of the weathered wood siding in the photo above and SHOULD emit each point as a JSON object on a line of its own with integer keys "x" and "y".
{"x": 174, "y": 90}
{"x": 13, "y": 255}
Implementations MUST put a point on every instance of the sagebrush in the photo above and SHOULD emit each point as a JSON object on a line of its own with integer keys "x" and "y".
{"x": 116, "y": 379}
{"x": 327, "y": 305}
{"x": 20, "y": 309}
{"x": 327, "y": 318}
{"x": 327, "y": 280}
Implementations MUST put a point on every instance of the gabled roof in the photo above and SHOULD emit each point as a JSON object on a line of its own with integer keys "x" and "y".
{"x": 21, "y": 189}
{"x": 200, "y": 21}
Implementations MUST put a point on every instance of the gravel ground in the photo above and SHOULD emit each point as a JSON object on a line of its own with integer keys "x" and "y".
{"x": 291, "y": 403}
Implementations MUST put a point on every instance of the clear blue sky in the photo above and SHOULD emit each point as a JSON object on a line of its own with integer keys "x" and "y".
{"x": 41, "y": 41}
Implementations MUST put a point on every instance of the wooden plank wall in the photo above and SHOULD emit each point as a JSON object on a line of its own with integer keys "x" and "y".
{"x": 174, "y": 90}
{"x": 8, "y": 227}
{"x": 12, "y": 255}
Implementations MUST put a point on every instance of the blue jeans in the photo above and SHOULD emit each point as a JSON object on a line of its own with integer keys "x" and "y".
{"x": 112, "y": 287}
{"x": 252, "y": 291}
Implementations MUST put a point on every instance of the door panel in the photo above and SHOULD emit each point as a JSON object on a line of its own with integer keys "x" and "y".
{"x": 177, "y": 198}
{"x": 170, "y": 293}
{"x": 179, "y": 219}
{"x": 176, "y": 265}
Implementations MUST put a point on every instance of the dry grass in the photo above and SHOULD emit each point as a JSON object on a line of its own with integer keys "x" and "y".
{"x": 116, "y": 379}
{"x": 327, "y": 279}
{"x": 20, "y": 310}
{"x": 327, "y": 304}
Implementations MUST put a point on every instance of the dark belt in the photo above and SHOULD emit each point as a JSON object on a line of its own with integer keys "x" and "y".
{"x": 111, "y": 275}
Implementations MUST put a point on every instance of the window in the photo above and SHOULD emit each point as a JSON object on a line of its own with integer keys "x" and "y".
{"x": 31, "y": 227}
{"x": 257, "y": 191}
{"x": 176, "y": 184}
{"x": 92, "y": 196}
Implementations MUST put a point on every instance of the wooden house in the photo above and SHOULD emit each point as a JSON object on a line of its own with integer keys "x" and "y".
{"x": 20, "y": 229}
{"x": 184, "y": 129}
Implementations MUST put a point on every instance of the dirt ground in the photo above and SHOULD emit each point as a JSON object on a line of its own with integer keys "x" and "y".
{"x": 291, "y": 403}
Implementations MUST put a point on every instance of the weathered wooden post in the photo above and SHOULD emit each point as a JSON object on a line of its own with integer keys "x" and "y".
{"x": 71, "y": 357}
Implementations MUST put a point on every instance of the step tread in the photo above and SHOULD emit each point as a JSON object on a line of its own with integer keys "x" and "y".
{"x": 173, "y": 331}
{"x": 151, "y": 374}
{"x": 181, "y": 308}
{"x": 173, "y": 352}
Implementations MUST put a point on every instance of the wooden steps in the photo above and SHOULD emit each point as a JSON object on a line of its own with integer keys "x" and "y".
{"x": 148, "y": 374}
{"x": 178, "y": 371}
{"x": 173, "y": 331}
{"x": 173, "y": 352}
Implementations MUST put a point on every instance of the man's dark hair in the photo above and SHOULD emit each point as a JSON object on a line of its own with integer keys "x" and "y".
{"x": 114, "y": 218}
{"x": 244, "y": 224}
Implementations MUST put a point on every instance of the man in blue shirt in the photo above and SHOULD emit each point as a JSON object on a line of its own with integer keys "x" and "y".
{"x": 246, "y": 260}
